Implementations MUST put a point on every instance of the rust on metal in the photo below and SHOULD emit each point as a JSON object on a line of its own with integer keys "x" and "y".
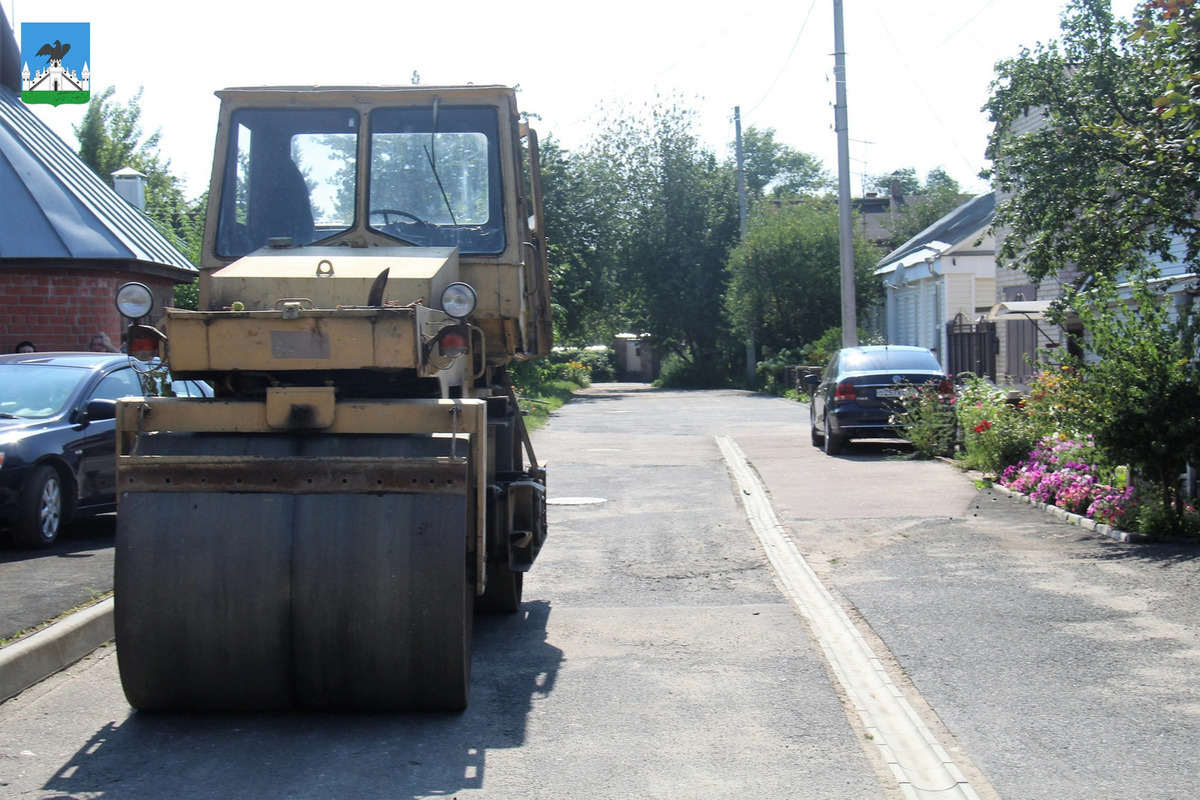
{"x": 292, "y": 475}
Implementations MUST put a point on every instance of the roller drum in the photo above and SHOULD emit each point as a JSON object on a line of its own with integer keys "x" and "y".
{"x": 258, "y": 601}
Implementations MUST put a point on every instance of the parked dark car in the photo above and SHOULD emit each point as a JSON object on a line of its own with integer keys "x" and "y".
{"x": 861, "y": 389}
{"x": 58, "y": 453}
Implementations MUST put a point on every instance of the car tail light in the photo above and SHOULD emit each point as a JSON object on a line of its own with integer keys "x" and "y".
{"x": 845, "y": 392}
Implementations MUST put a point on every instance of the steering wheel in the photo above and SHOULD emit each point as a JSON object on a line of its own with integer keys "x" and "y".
{"x": 388, "y": 213}
{"x": 415, "y": 232}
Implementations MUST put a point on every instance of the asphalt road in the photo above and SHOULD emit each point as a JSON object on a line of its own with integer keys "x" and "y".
{"x": 656, "y": 656}
{"x": 38, "y": 585}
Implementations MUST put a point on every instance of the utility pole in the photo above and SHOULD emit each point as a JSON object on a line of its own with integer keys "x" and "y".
{"x": 842, "y": 127}
{"x": 751, "y": 361}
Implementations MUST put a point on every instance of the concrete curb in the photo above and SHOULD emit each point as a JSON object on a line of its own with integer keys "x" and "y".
{"x": 1087, "y": 523}
{"x": 34, "y": 658}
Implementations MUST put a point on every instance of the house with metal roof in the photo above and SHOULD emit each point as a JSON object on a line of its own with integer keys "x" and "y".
{"x": 943, "y": 277}
{"x": 67, "y": 240}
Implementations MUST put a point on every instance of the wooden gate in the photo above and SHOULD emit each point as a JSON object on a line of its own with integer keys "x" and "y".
{"x": 971, "y": 347}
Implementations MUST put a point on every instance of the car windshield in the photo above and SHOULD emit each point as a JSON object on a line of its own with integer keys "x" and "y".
{"x": 889, "y": 361}
{"x": 36, "y": 391}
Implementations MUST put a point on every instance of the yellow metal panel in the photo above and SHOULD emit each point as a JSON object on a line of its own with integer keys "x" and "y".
{"x": 333, "y": 276}
{"x": 303, "y": 407}
{"x": 498, "y": 287}
{"x": 315, "y": 340}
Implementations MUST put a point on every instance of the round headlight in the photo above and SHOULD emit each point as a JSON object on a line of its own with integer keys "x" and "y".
{"x": 135, "y": 300}
{"x": 458, "y": 300}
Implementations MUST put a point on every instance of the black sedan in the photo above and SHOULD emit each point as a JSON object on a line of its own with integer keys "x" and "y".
{"x": 862, "y": 388}
{"x": 58, "y": 437}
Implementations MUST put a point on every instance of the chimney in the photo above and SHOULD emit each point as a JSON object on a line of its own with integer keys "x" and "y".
{"x": 131, "y": 186}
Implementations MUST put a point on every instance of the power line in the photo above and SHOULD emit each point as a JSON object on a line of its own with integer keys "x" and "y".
{"x": 917, "y": 85}
{"x": 786, "y": 61}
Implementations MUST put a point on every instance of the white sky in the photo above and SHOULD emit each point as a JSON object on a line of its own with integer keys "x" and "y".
{"x": 917, "y": 70}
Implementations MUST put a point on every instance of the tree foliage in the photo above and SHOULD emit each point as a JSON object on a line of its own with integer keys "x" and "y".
{"x": 584, "y": 293}
{"x": 1095, "y": 145}
{"x": 663, "y": 212}
{"x": 1095, "y": 142}
{"x": 923, "y": 202}
{"x": 905, "y": 180}
{"x": 641, "y": 222}
{"x": 111, "y": 138}
{"x": 785, "y": 277}
{"x": 1139, "y": 395}
{"x": 773, "y": 169}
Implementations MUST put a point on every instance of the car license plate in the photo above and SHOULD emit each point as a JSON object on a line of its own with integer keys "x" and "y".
{"x": 896, "y": 391}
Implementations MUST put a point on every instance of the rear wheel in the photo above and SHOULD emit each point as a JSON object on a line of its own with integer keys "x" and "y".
{"x": 818, "y": 438}
{"x": 833, "y": 442}
{"x": 503, "y": 592}
{"x": 42, "y": 509}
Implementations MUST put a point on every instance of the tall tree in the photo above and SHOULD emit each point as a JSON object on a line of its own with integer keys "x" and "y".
{"x": 785, "y": 277}
{"x": 585, "y": 295}
{"x": 773, "y": 169}
{"x": 668, "y": 213}
{"x": 1095, "y": 142}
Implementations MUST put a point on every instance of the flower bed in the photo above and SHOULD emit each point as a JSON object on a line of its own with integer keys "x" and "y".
{"x": 1063, "y": 473}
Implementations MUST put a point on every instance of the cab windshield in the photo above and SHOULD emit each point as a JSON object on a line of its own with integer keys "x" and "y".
{"x": 433, "y": 178}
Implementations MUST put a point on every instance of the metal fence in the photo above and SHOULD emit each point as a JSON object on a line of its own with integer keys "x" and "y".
{"x": 971, "y": 347}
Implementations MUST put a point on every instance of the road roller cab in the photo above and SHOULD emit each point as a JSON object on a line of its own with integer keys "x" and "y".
{"x": 320, "y": 532}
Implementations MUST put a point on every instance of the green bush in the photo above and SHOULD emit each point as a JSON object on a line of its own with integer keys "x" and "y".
{"x": 1155, "y": 520}
{"x": 679, "y": 373}
{"x": 575, "y": 365}
{"x": 996, "y": 433}
{"x": 928, "y": 421}
{"x": 600, "y": 362}
{"x": 772, "y": 370}
{"x": 819, "y": 352}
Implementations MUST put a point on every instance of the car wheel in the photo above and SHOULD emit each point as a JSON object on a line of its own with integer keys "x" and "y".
{"x": 42, "y": 510}
{"x": 817, "y": 438}
{"x": 833, "y": 442}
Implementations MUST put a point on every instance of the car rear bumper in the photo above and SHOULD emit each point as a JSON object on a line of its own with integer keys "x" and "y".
{"x": 860, "y": 424}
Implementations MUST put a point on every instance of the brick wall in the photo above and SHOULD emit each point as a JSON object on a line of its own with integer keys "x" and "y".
{"x": 61, "y": 309}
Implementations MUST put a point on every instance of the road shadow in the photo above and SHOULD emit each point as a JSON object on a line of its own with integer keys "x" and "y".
{"x": 74, "y": 540}
{"x": 393, "y": 755}
{"x": 877, "y": 450}
{"x": 1163, "y": 554}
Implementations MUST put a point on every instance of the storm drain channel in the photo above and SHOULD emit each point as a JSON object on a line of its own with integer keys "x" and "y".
{"x": 920, "y": 764}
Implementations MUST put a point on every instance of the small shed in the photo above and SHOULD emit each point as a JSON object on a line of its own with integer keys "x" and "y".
{"x": 636, "y": 360}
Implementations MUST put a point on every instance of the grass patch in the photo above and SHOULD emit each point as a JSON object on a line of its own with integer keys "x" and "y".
{"x": 96, "y": 598}
{"x": 539, "y": 403}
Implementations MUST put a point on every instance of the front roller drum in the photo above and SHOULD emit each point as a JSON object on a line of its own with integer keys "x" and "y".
{"x": 271, "y": 601}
